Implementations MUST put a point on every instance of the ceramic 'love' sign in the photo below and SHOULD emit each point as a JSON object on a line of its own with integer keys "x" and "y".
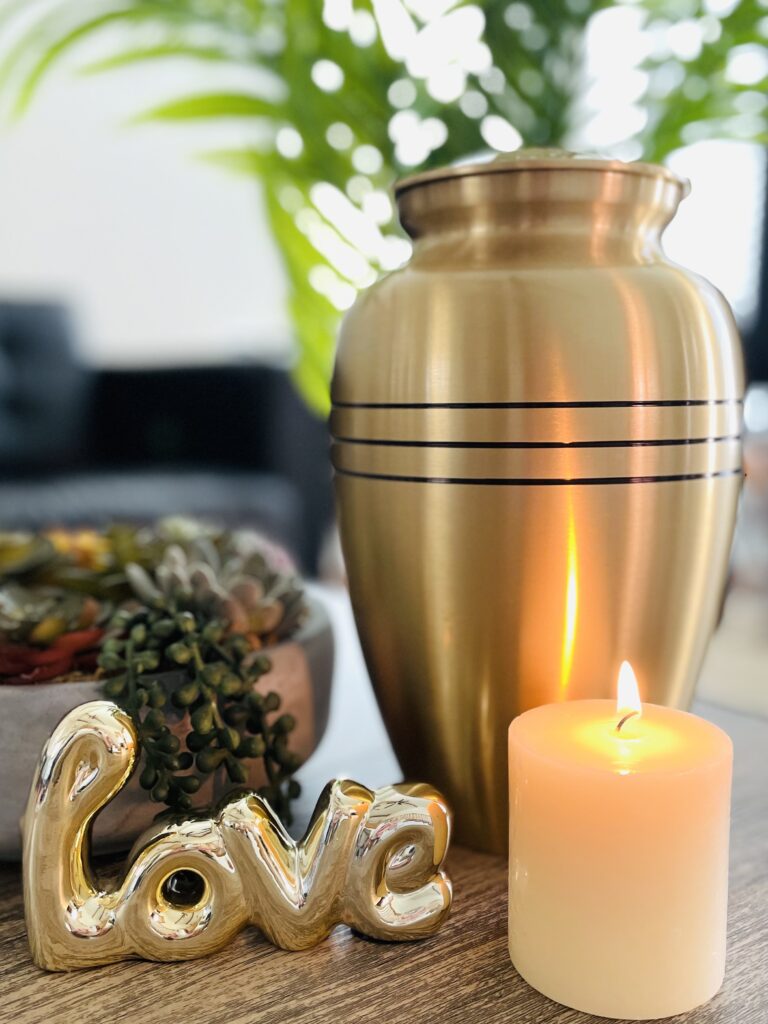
{"x": 371, "y": 860}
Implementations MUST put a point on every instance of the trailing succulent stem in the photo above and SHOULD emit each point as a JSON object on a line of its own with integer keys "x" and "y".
{"x": 191, "y": 642}
{"x": 213, "y": 683}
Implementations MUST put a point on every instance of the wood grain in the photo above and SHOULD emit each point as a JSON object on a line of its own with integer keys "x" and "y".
{"x": 461, "y": 976}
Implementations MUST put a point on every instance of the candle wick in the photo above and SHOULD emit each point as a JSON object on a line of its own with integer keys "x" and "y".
{"x": 629, "y": 714}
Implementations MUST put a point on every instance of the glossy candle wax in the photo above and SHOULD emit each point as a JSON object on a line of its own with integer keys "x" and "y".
{"x": 618, "y": 874}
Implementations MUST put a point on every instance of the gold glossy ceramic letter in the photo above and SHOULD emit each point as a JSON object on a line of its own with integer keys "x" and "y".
{"x": 369, "y": 859}
{"x": 536, "y": 443}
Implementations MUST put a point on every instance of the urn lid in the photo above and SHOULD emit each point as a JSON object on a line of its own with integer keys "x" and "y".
{"x": 546, "y": 192}
{"x": 542, "y": 159}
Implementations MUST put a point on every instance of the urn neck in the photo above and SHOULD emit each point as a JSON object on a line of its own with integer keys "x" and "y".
{"x": 552, "y": 208}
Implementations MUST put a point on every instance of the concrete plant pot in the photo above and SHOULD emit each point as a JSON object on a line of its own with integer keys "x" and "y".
{"x": 302, "y": 671}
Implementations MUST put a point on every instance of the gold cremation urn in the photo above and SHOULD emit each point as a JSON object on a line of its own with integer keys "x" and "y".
{"x": 536, "y": 443}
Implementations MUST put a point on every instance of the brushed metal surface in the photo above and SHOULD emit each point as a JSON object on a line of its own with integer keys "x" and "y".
{"x": 537, "y": 450}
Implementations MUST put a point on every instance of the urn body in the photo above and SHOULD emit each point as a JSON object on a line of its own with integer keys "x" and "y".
{"x": 537, "y": 460}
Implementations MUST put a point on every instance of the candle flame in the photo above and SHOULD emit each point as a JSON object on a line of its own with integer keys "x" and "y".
{"x": 628, "y": 696}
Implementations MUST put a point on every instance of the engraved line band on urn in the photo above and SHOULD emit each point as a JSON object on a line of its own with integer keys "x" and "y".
{"x": 537, "y": 425}
{"x": 539, "y": 465}
{"x": 651, "y": 443}
{"x": 545, "y": 482}
{"x": 584, "y": 460}
{"x": 650, "y": 403}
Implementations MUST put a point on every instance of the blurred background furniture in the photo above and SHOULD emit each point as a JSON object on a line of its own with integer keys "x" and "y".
{"x": 81, "y": 446}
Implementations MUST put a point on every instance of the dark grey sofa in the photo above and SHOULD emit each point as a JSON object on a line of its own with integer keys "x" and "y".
{"x": 82, "y": 446}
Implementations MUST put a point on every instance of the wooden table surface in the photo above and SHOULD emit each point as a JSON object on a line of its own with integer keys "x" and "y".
{"x": 461, "y": 976}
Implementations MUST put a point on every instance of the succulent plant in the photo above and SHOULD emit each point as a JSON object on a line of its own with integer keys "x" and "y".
{"x": 23, "y": 553}
{"x": 196, "y": 605}
{"x": 203, "y": 613}
{"x": 47, "y": 633}
{"x": 87, "y": 549}
{"x": 237, "y": 587}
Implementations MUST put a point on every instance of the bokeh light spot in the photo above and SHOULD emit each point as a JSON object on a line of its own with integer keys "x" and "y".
{"x": 362, "y": 29}
{"x": 367, "y": 160}
{"x": 500, "y": 134}
{"x": 288, "y": 142}
{"x": 518, "y": 16}
{"x": 473, "y": 104}
{"x": 327, "y": 75}
{"x": 339, "y": 135}
{"x": 402, "y": 93}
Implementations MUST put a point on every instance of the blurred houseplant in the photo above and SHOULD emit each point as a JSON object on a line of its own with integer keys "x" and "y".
{"x": 348, "y": 94}
{"x": 183, "y": 625}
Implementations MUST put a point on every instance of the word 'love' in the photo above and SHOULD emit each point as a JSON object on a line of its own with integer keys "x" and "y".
{"x": 369, "y": 859}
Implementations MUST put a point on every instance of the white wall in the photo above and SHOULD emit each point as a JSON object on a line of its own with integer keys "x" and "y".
{"x": 167, "y": 259}
{"x": 163, "y": 257}
{"x": 718, "y": 230}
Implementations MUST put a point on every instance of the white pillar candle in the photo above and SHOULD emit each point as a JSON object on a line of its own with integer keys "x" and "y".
{"x": 618, "y": 874}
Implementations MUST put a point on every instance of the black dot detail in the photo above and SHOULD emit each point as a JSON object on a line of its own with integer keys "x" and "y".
{"x": 183, "y": 888}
